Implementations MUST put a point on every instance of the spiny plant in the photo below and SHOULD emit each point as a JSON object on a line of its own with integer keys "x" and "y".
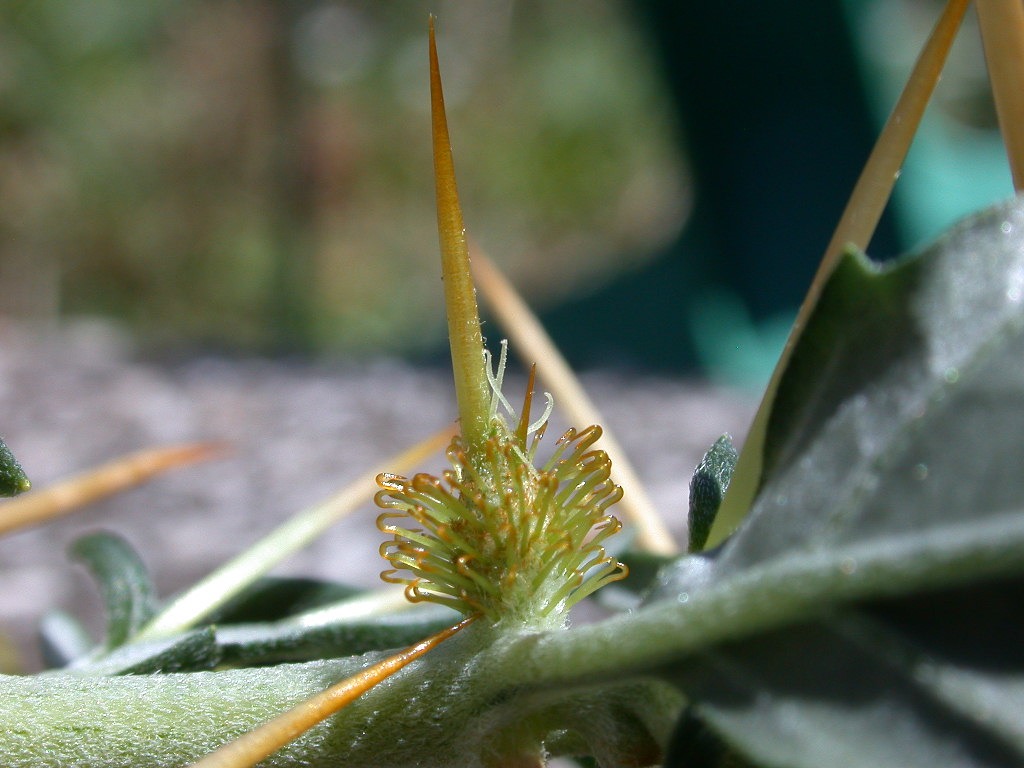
{"x": 501, "y": 538}
{"x": 863, "y": 613}
{"x": 496, "y": 535}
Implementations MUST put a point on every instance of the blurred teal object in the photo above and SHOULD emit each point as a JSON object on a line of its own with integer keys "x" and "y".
{"x": 772, "y": 113}
{"x": 735, "y": 350}
{"x": 779, "y": 105}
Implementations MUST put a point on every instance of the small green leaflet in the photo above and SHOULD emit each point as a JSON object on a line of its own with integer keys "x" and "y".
{"x": 708, "y": 485}
{"x": 12, "y": 477}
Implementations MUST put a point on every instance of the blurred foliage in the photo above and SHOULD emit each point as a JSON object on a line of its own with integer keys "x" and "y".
{"x": 258, "y": 174}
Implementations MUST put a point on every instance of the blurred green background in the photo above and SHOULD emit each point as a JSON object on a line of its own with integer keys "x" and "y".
{"x": 256, "y": 175}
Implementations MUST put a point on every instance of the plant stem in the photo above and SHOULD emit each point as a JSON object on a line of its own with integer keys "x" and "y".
{"x": 169, "y": 719}
{"x": 779, "y": 592}
{"x": 236, "y": 574}
{"x": 249, "y": 749}
{"x": 471, "y": 388}
{"x": 1002, "y": 33}
{"x": 856, "y": 226}
{"x": 532, "y": 341}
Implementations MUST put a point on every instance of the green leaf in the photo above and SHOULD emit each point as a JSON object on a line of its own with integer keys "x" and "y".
{"x": 901, "y": 413}
{"x": 279, "y": 620}
{"x": 125, "y": 586}
{"x": 13, "y": 479}
{"x": 272, "y": 598}
{"x": 920, "y": 681}
{"x": 295, "y": 640}
{"x": 193, "y": 651}
{"x": 894, "y": 446}
{"x": 708, "y": 485}
{"x": 903, "y": 402}
{"x": 907, "y": 483}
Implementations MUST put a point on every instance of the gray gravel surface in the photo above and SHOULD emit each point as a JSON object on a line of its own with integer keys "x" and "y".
{"x": 76, "y": 398}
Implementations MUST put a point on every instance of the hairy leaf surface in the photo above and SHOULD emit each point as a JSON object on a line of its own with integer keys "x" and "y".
{"x": 894, "y": 446}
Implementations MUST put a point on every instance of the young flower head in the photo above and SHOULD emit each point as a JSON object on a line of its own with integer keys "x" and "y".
{"x": 498, "y": 536}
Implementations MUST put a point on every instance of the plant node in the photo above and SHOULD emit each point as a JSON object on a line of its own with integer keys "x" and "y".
{"x": 497, "y": 536}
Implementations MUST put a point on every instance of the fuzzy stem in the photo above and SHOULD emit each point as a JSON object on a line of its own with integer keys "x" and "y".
{"x": 532, "y": 341}
{"x": 780, "y": 592}
{"x": 250, "y": 748}
{"x": 168, "y": 719}
{"x": 857, "y": 225}
{"x": 471, "y": 389}
{"x": 1002, "y": 33}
